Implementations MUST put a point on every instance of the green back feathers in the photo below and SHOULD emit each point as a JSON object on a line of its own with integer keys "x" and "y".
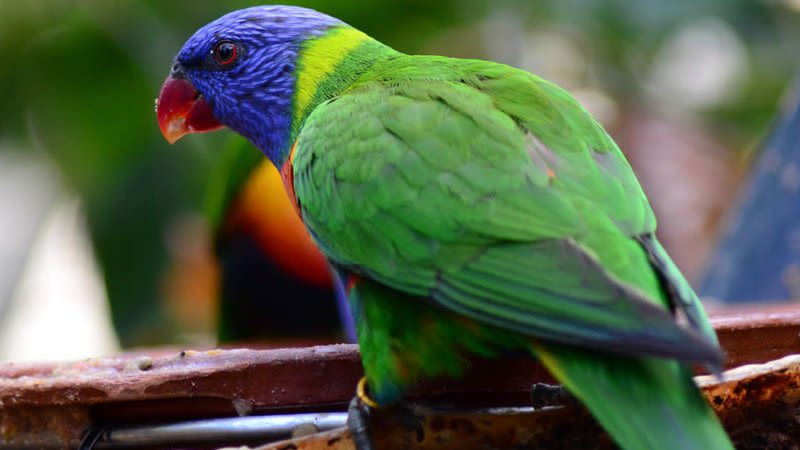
{"x": 429, "y": 176}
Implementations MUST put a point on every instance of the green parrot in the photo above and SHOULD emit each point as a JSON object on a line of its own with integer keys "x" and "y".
{"x": 468, "y": 207}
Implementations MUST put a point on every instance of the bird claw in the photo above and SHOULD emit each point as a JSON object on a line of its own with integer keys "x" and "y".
{"x": 543, "y": 394}
{"x": 363, "y": 410}
{"x": 358, "y": 422}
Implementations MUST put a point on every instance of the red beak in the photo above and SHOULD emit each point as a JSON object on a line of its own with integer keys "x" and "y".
{"x": 182, "y": 110}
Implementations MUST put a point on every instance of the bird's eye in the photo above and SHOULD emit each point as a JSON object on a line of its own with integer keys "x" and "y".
{"x": 225, "y": 53}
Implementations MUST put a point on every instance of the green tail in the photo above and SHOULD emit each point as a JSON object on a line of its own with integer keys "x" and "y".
{"x": 644, "y": 404}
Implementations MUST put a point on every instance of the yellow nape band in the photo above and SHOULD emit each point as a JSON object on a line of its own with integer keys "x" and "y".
{"x": 318, "y": 59}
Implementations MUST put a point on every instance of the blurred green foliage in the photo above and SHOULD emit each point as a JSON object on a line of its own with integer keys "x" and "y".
{"x": 79, "y": 79}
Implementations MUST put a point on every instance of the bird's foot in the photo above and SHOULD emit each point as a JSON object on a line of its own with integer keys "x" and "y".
{"x": 363, "y": 410}
{"x": 358, "y": 422}
{"x": 358, "y": 416}
{"x": 551, "y": 395}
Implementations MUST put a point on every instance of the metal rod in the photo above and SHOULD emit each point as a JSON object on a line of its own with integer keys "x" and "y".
{"x": 232, "y": 429}
{"x": 221, "y": 431}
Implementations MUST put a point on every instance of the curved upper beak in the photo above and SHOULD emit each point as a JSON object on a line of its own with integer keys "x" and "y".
{"x": 181, "y": 109}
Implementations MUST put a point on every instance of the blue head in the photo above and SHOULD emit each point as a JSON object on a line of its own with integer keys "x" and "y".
{"x": 242, "y": 66}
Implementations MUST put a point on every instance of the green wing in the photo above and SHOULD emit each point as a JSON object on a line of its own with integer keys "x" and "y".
{"x": 494, "y": 194}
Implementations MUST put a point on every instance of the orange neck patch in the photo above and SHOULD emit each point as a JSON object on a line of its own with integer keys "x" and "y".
{"x": 287, "y": 175}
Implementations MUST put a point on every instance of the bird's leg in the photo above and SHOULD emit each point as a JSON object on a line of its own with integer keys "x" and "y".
{"x": 358, "y": 423}
{"x": 358, "y": 415}
{"x": 543, "y": 394}
{"x": 363, "y": 410}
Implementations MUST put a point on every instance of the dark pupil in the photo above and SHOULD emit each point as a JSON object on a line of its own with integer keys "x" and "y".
{"x": 225, "y": 53}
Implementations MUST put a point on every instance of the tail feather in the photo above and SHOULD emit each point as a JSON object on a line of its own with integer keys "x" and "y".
{"x": 644, "y": 404}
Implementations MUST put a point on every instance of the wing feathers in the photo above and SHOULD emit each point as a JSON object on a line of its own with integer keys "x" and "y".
{"x": 581, "y": 303}
{"x": 499, "y": 197}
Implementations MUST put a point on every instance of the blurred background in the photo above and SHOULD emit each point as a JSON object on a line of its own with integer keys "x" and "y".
{"x": 107, "y": 233}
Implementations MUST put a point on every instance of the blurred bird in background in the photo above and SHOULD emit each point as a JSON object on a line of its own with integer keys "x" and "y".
{"x": 265, "y": 257}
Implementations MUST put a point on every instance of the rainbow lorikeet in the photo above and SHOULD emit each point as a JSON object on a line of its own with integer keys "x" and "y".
{"x": 264, "y": 255}
{"x": 471, "y": 208}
